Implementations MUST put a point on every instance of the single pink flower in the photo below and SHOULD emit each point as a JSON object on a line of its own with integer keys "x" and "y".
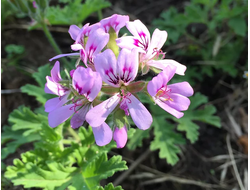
{"x": 117, "y": 74}
{"x": 149, "y": 49}
{"x": 172, "y": 98}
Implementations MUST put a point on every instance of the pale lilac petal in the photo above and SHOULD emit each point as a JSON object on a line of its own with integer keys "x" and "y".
{"x": 156, "y": 84}
{"x": 129, "y": 42}
{"x": 161, "y": 64}
{"x": 65, "y": 55}
{"x": 88, "y": 30}
{"x": 182, "y": 88}
{"x": 76, "y": 47}
{"x": 87, "y": 82}
{"x": 115, "y": 21}
{"x": 97, "y": 115}
{"x": 120, "y": 136}
{"x": 52, "y": 87}
{"x": 96, "y": 42}
{"x": 74, "y": 31}
{"x": 55, "y": 72}
{"x": 139, "y": 113}
{"x": 96, "y": 88}
{"x": 128, "y": 65}
{"x": 157, "y": 41}
{"x": 103, "y": 134}
{"x": 58, "y": 116}
{"x": 79, "y": 117}
{"x": 179, "y": 102}
{"x": 140, "y": 32}
{"x": 54, "y": 103}
{"x": 106, "y": 66}
{"x": 169, "y": 109}
{"x": 168, "y": 72}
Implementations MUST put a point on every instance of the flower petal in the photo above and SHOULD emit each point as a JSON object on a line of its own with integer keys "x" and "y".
{"x": 169, "y": 109}
{"x": 182, "y": 88}
{"x": 139, "y": 113}
{"x": 60, "y": 115}
{"x": 140, "y": 32}
{"x": 65, "y": 55}
{"x": 157, "y": 41}
{"x": 106, "y": 66}
{"x": 52, "y": 87}
{"x": 103, "y": 134}
{"x": 128, "y": 65}
{"x": 96, "y": 42}
{"x": 120, "y": 136}
{"x": 55, "y": 72}
{"x": 79, "y": 117}
{"x": 54, "y": 103}
{"x": 74, "y": 31}
{"x": 156, "y": 84}
{"x": 180, "y": 103}
{"x": 161, "y": 64}
{"x": 97, "y": 115}
{"x": 115, "y": 21}
{"x": 129, "y": 42}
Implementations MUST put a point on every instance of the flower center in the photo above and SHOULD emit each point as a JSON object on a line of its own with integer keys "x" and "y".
{"x": 124, "y": 101}
{"x": 162, "y": 94}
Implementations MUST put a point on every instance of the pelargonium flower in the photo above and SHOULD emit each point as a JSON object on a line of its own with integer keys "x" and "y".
{"x": 172, "y": 98}
{"x": 86, "y": 84}
{"x": 149, "y": 49}
{"x": 119, "y": 74}
{"x": 54, "y": 86}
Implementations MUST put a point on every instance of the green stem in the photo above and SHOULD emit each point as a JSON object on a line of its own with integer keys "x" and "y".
{"x": 60, "y": 132}
{"x": 67, "y": 141}
{"x": 53, "y": 42}
{"x": 74, "y": 134}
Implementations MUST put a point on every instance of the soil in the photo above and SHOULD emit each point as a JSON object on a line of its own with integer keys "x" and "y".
{"x": 194, "y": 163}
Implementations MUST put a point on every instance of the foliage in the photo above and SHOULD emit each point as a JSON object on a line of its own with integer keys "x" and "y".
{"x": 213, "y": 33}
{"x": 74, "y": 11}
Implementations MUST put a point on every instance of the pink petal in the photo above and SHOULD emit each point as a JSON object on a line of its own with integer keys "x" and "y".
{"x": 76, "y": 47}
{"x": 52, "y": 87}
{"x": 140, "y": 32}
{"x": 55, "y": 72}
{"x": 168, "y": 72}
{"x": 169, "y": 109}
{"x": 58, "y": 116}
{"x": 156, "y": 84}
{"x": 97, "y": 115}
{"x": 120, "y": 136}
{"x": 161, "y": 64}
{"x": 139, "y": 113}
{"x": 129, "y": 43}
{"x": 103, "y": 134}
{"x": 54, "y": 103}
{"x": 106, "y": 66}
{"x": 180, "y": 103}
{"x": 182, "y": 88}
{"x": 96, "y": 42}
{"x": 65, "y": 55}
{"x": 128, "y": 65}
{"x": 74, "y": 31}
{"x": 87, "y": 82}
{"x": 79, "y": 117}
{"x": 115, "y": 21}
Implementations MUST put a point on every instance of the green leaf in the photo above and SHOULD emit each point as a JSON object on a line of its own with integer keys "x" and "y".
{"x": 238, "y": 25}
{"x": 55, "y": 175}
{"x": 38, "y": 91}
{"x": 205, "y": 115}
{"x": 166, "y": 140}
{"x": 74, "y": 11}
{"x": 136, "y": 139}
{"x": 110, "y": 186}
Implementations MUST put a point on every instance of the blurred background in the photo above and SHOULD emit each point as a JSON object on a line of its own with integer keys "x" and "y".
{"x": 209, "y": 37}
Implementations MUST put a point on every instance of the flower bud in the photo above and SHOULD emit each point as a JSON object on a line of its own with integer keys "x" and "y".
{"x": 120, "y": 136}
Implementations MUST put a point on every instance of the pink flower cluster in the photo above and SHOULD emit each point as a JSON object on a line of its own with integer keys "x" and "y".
{"x": 110, "y": 67}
